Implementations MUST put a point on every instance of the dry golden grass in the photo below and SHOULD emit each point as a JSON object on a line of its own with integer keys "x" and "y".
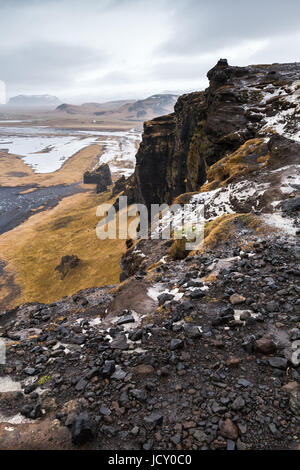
{"x": 225, "y": 227}
{"x": 235, "y": 164}
{"x": 71, "y": 172}
{"x": 184, "y": 198}
{"x": 211, "y": 278}
{"x": 33, "y": 250}
{"x": 178, "y": 250}
{"x": 152, "y": 267}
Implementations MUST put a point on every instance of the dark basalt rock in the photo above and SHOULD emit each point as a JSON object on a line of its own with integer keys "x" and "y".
{"x": 291, "y": 205}
{"x": 32, "y": 411}
{"x": 205, "y": 126}
{"x": 153, "y": 420}
{"x": 119, "y": 186}
{"x": 67, "y": 263}
{"x": 81, "y": 429}
{"x": 278, "y": 362}
{"x": 101, "y": 176}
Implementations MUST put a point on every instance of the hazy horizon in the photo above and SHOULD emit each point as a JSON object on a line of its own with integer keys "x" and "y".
{"x": 103, "y": 50}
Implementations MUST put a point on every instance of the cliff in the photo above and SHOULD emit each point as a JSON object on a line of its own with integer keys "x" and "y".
{"x": 238, "y": 105}
{"x": 101, "y": 176}
{"x": 195, "y": 350}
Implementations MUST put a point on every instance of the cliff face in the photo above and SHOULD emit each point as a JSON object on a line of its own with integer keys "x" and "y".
{"x": 241, "y": 103}
{"x": 162, "y": 159}
{"x": 100, "y": 176}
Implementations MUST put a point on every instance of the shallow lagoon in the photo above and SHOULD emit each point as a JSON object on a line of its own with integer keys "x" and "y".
{"x": 45, "y": 149}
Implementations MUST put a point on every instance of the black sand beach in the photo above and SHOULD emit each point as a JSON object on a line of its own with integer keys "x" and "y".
{"x": 16, "y": 207}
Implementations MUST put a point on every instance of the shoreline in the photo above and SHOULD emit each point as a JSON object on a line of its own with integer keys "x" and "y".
{"x": 14, "y": 172}
{"x": 20, "y": 206}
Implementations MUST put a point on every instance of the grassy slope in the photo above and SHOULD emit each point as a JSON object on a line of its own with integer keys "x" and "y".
{"x": 33, "y": 250}
{"x": 70, "y": 172}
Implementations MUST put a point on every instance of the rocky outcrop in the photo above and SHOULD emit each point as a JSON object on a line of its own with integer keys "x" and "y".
{"x": 119, "y": 186}
{"x": 67, "y": 264}
{"x": 241, "y": 103}
{"x": 101, "y": 176}
{"x": 161, "y": 161}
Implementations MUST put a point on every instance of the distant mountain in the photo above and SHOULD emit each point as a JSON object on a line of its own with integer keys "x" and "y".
{"x": 92, "y": 108}
{"x": 130, "y": 110}
{"x": 155, "y": 105}
{"x": 34, "y": 101}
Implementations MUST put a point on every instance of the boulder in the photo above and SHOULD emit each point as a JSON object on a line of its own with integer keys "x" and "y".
{"x": 101, "y": 176}
{"x": 229, "y": 430}
{"x": 265, "y": 346}
{"x": 237, "y": 299}
{"x": 153, "y": 420}
{"x": 81, "y": 429}
{"x": 67, "y": 264}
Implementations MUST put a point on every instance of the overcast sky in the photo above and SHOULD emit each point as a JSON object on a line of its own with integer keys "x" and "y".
{"x": 83, "y": 50}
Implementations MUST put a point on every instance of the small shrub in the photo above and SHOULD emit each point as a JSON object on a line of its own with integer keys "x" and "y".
{"x": 43, "y": 380}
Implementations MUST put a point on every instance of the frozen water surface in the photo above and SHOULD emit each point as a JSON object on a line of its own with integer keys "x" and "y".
{"x": 45, "y": 149}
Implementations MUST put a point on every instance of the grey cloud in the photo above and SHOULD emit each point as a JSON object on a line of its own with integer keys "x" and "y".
{"x": 136, "y": 45}
{"x": 47, "y": 63}
{"x": 175, "y": 70}
{"x": 115, "y": 77}
{"x": 201, "y": 26}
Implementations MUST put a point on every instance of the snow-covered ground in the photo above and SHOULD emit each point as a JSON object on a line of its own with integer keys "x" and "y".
{"x": 211, "y": 204}
{"x": 243, "y": 196}
{"x": 285, "y": 122}
{"x": 119, "y": 152}
{"x": 46, "y": 149}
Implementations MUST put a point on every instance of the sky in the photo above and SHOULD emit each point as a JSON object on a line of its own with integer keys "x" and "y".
{"x": 100, "y": 50}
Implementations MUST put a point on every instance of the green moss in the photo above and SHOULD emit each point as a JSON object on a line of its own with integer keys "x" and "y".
{"x": 43, "y": 380}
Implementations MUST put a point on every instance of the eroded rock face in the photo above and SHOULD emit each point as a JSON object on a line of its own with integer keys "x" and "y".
{"x": 241, "y": 103}
{"x": 161, "y": 162}
{"x": 194, "y": 353}
{"x": 101, "y": 176}
{"x": 67, "y": 264}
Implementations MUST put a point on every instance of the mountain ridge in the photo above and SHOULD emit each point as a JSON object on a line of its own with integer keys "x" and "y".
{"x": 134, "y": 110}
{"x": 34, "y": 101}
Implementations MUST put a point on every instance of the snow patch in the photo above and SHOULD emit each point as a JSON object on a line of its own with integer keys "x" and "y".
{"x": 45, "y": 149}
{"x": 285, "y": 224}
{"x": 155, "y": 291}
{"x": 9, "y": 385}
{"x": 16, "y": 419}
{"x": 285, "y": 122}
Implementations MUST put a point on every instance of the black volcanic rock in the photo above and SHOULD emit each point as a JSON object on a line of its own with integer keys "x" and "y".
{"x": 81, "y": 429}
{"x": 101, "y": 176}
{"x": 216, "y": 367}
{"x": 67, "y": 263}
{"x": 205, "y": 126}
{"x": 119, "y": 186}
